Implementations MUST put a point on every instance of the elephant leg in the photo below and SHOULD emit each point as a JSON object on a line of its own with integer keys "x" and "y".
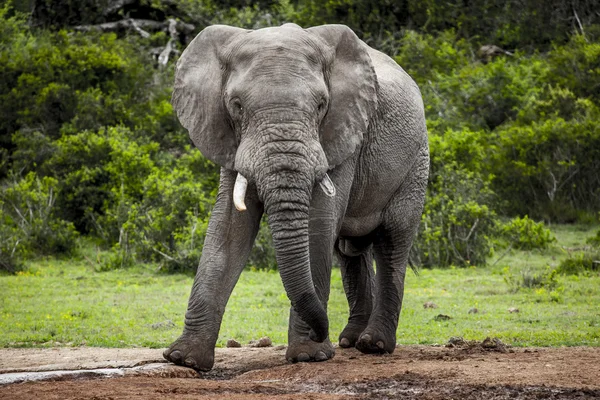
{"x": 229, "y": 239}
{"x": 393, "y": 239}
{"x": 356, "y": 265}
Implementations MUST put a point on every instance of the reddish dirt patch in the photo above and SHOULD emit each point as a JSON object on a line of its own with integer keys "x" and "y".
{"x": 468, "y": 371}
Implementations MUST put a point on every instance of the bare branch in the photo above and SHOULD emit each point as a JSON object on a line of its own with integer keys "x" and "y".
{"x": 139, "y": 25}
{"x": 579, "y": 23}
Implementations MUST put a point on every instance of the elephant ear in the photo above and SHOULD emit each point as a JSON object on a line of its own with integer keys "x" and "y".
{"x": 197, "y": 94}
{"x": 352, "y": 92}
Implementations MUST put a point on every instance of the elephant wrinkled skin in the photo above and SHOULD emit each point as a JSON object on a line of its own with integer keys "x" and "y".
{"x": 326, "y": 136}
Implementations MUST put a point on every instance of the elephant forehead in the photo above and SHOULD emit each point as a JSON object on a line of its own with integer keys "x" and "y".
{"x": 293, "y": 44}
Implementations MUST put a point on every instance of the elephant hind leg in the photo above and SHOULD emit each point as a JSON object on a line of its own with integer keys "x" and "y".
{"x": 391, "y": 248}
{"x": 356, "y": 265}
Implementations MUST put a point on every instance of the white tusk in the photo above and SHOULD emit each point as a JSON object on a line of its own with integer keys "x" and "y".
{"x": 239, "y": 192}
{"x": 327, "y": 186}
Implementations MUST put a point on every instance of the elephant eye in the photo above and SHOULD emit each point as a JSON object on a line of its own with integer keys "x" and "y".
{"x": 236, "y": 106}
{"x": 321, "y": 106}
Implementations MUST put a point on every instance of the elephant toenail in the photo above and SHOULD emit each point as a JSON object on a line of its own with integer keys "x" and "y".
{"x": 365, "y": 338}
{"x": 303, "y": 357}
{"x": 320, "y": 356}
{"x": 190, "y": 362}
{"x": 175, "y": 356}
{"x": 380, "y": 345}
{"x": 344, "y": 342}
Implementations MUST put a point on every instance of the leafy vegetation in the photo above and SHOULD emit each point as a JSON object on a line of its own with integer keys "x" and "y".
{"x": 90, "y": 148}
{"x": 527, "y": 234}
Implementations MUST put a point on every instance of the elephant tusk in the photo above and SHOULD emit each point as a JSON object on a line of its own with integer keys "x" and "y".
{"x": 327, "y": 186}
{"x": 239, "y": 192}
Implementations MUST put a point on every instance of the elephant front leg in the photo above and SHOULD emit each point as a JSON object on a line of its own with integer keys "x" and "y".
{"x": 229, "y": 239}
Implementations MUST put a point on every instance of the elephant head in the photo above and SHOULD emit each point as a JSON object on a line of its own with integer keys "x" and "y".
{"x": 280, "y": 106}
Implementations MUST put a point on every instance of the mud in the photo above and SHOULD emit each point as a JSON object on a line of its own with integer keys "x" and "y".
{"x": 466, "y": 370}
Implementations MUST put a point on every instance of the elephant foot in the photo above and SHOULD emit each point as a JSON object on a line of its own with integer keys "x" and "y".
{"x": 350, "y": 334}
{"x": 192, "y": 353}
{"x": 305, "y": 350}
{"x": 372, "y": 341}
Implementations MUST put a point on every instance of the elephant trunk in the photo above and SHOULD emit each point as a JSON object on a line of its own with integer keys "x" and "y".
{"x": 285, "y": 161}
{"x": 288, "y": 215}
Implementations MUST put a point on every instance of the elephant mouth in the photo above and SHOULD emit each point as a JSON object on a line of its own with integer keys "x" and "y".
{"x": 241, "y": 184}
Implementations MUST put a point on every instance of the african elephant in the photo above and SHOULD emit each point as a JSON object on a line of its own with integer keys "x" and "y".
{"x": 326, "y": 136}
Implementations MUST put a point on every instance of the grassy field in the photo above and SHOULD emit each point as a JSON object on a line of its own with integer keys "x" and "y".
{"x": 58, "y": 302}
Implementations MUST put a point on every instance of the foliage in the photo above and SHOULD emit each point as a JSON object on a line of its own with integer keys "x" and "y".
{"x": 87, "y": 117}
{"x": 526, "y": 234}
{"x": 581, "y": 262}
{"x": 549, "y": 168}
{"x": 527, "y": 279}
{"x": 169, "y": 223}
{"x": 28, "y": 221}
{"x": 59, "y": 83}
{"x": 458, "y": 224}
{"x": 263, "y": 252}
{"x": 595, "y": 240}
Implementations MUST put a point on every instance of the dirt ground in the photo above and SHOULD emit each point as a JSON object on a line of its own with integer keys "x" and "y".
{"x": 468, "y": 370}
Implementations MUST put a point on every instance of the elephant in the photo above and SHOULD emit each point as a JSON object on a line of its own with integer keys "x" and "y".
{"x": 327, "y": 137}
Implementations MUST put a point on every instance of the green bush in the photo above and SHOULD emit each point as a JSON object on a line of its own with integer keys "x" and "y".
{"x": 549, "y": 169}
{"x": 28, "y": 221}
{"x": 547, "y": 279}
{"x": 594, "y": 240}
{"x": 581, "y": 262}
{"x": 98, "y": 171}
{"x": 526, "y": 234}
{"x": 458, "y": 223}
{"x": 168, "y": 223}
{"x": 263, "y": 252}
{"x": 425, "y": 57}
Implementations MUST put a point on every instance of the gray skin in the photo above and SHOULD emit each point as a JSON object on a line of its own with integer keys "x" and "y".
{"x": 283, "y": 107}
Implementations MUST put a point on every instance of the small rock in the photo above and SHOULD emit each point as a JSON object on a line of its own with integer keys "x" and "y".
{"x": 513, "y": 310}
{"x": 494, "y": 344}
{"x": 280, "y": 347}
{"x": 442, "y": 317}
{"x": 233, "y": 343}
{"x": 456, "y": 341}
{"x": 429, "y": 304}
{"x": 262, "y": 342}
{"x": 473, "y": 310}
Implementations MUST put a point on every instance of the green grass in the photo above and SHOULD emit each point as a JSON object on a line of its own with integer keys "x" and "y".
{"x": 59, "y": 302}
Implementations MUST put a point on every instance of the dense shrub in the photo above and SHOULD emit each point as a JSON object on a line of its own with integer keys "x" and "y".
{"x": 169, "y": 222}
{"x": 595, "y": 240}
{"x": 263, "y": 252}
{"x": 28, "y": 221}
{"x": 458, "y": 223}
{"x": 549, "y": 169}
{"x": 526, "y": 234}
{"x": 581, "y": 262}
{"x": 54, "y": 84}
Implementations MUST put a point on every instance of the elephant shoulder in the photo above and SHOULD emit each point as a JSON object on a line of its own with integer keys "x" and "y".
{"x": 390, "y": 74}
